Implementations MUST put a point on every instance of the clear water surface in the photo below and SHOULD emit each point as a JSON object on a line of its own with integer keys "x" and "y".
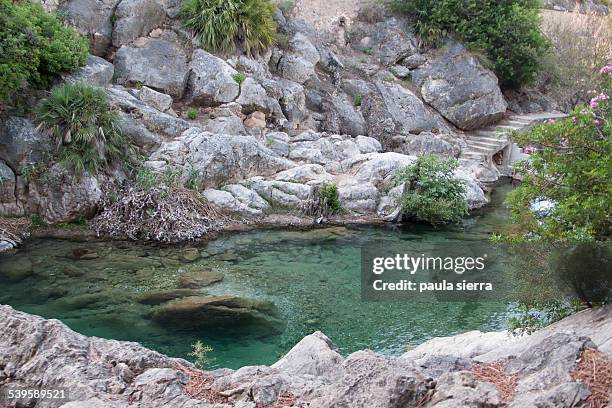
{"x": 313, "y": 278}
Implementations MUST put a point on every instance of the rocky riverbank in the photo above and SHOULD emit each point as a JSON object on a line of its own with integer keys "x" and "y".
{"x": 470, "y": 370}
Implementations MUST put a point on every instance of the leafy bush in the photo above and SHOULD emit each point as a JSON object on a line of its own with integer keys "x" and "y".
{"x": 328, "y": 194}
{"x": 239, "y": 77}
{"x": 192, "y": 114}
{"x": 86, "y": 131}
{"x": 432, "y": 194}
{"x": 507, "y": 32}
{"x": 35, "y": 47}
{"x": 569, "y": 169}
{"x": 220, "y": 24}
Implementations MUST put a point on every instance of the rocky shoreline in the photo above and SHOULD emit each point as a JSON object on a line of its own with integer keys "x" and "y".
{"x": 536, "y": 370}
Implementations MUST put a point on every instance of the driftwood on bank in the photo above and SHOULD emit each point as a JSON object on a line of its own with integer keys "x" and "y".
{"x": 12, "y": 232}
{"x": 158, "y": 214}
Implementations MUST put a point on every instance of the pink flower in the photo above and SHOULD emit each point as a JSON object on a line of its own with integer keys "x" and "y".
{"x": 606, "y": 70}
{"x": 529, "y": 149}
{"x": 601, "y": 97}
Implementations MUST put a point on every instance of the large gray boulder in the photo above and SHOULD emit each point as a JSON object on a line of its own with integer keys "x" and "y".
{"x": 391, "y": 109}
{"x": 343, "y": 117}
{"x": 63, "y": 197}
{"x": 220, "y": 158}
{"x": 21, "y": 142}
{"x": 156, "y": 63}
{"x": 460, "y": 88}
{"x": 159, "y": 123}
{"x": 93, "y": 18}
{"x": 211, "y": 81}
{"x": 444, "y": 145}
{"x": 136, "y": 18}
{"x": 253, "y": 97}
{"x": 9, "y": 204}
{"x": 296, "y": 68}
{"x": 394, "y": 41}
{"x": 97, "y": 71}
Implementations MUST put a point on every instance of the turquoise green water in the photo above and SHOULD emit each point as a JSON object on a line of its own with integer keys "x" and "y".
{"x": 312, "y": 277}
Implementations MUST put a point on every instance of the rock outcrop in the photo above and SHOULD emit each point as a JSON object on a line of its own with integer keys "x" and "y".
{"x": 462, "y": 90}
{"x": 443, "y": 372}
{"x": 157, "y": 63}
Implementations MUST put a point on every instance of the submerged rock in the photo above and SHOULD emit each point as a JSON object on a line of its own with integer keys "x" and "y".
{"x": 161, "y": 296}
{"x": 15, "y": 268}
{"x": 217, "y": 311}
{"x": 199, "y": 279}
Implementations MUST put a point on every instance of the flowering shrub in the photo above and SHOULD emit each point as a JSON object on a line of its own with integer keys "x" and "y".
{"x": 571, "y": 169}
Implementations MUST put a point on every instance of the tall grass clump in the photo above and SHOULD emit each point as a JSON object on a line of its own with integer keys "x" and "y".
{"x": 221, "y": 25}
{"x": 35, "y": 47}
{"x": 86, "y": 131}
{"x": 507, "y": 32}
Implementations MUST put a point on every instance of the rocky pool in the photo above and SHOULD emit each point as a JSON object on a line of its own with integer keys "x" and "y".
{"x": 251, "y": 296}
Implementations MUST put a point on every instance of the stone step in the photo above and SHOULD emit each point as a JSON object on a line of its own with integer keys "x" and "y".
{"x": 487, "y": 139}
{"x": 488, "y": 146}
{"x": 484, "y": 150}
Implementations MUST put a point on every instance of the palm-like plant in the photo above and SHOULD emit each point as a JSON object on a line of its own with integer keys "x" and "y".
{"x": 220, "y": 24}
{"x": 86, "y": 131}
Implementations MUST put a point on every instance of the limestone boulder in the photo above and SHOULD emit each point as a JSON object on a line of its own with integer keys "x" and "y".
{"x": 157, "y": 63}
{"x": 211, "y": 80}
{"x": 136, "y": 18}
{"x": 460, "y": 88}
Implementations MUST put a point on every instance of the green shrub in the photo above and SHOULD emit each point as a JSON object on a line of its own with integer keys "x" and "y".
{"x": 221, "y": 24}
{"x": 200, "y": 351}
{"x": 506, "y": 32}
{"x": 86, "y": 131}
{"x": 192, "y": 114}
{"x": 239, "y": 77}
{"x": 328, "y": 196}
{"x": 432, "y": 192}
{"x": 357, "y": 100}
{"x": 35, "y": 47}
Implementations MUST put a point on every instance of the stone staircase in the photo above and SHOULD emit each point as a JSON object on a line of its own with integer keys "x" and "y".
{"x": 484, "y": 144}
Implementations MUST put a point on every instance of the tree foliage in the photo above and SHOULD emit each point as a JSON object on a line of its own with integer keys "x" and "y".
{"x": 432, "y": 193}
{"x": 565, "y": 194}
{"x": 35, "y": 46}
{"x": 506, "y": 32}
{"x": 221, "y": 24}
{"x": 86, "y": 131}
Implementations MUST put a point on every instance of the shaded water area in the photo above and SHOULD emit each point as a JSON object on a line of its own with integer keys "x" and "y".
{"x": 312, "y": 278}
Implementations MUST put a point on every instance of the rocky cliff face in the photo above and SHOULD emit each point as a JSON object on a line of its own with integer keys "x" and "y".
{"x": 348, "y": 103}
{"x": 470, "y": 370}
